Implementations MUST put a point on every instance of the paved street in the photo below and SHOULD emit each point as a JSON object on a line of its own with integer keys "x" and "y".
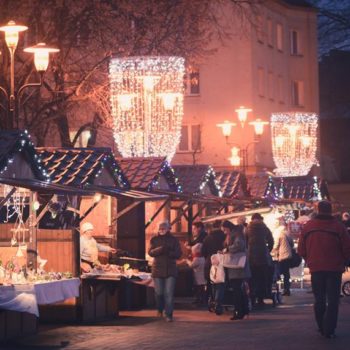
{"x": 288, "y": 326}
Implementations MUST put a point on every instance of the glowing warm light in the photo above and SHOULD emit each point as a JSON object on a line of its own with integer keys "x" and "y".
{"x": 41, "y": 55}
{"x": 97, "y": 197}
{"x": 242, "y": 113}
{"x": 294, "y": 142}
{"x": 12, "y": 31}
{"x": 306, "y": 140}
{"x": 147, "y": 104}
{"x": 125, "y": 101}
{"x": 169, "y": 99}
{"x": 235, "y": 159}
{"x": 279, "y": 140}
{"x": 258, "y": 126}
{"x": 36, "y": 205}
{"x": 226, "y": 127}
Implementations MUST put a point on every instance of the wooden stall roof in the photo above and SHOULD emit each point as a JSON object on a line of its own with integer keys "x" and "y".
{"x": 18, "y": 157}
{"x": 232, "y": 215}
{"x": 80, "y": 166}
{"x": 147, "y": 173}
{"x": 195, "y": 178}
{"x": 233, "y": 184}
{"x": 261, "y": 185}
{"x": 47, "y": 187}
{"x": 306, "y": 188}
{"x": 141, "y": 196}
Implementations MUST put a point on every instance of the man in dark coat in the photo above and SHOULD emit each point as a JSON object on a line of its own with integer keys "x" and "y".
{"x": 165, "y": 249}
{"x": 325, "y": 245}
{"x": 213, "y": 243}
{"x": 260, "y": 243}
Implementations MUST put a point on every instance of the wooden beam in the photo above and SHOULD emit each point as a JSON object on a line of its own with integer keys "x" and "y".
{"x": 94, "y": 205}
{"x": 125, "y": 210}
{"x": 4, "y": 200}
{"x": 157, "y": 212}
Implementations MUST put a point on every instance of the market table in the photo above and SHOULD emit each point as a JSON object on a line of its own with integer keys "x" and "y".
{"x": 19, "y": 304}
{"x": 101, "y": 291}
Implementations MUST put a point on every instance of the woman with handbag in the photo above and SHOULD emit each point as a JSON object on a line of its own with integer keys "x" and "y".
{"x": 236, "y": 262}
{"x": 282, "y": 252}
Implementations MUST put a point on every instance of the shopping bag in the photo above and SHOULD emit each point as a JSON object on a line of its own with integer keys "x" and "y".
{"x": 295, "y": 260}
{"x": 235, "y": 260}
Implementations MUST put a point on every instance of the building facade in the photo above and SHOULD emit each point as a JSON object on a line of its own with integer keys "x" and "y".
{"x": 269, "y": 66}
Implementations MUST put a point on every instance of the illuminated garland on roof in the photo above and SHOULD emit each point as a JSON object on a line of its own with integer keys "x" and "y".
{"x": 211, "y": 176}
{"x": 24, "y": 144}
{"x": 147, "y": 105}
{"x": 294, "y": 142}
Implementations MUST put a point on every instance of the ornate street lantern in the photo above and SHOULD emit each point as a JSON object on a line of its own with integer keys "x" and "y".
{"x": 147, "y": 104}
{"x": 294, "y": 142}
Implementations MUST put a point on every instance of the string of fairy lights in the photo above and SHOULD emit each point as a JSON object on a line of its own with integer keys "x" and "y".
{"x": 147, "y": 104}
{"x": 294, "y": 142}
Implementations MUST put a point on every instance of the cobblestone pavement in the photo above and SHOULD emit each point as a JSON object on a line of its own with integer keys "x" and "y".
{"x": 288, "y": 326}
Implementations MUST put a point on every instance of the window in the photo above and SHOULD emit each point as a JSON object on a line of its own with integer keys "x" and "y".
{"x": 280, "y": 88}
{"x": 298, "y": 93}
{"x": 190, "y": 139}
{"x": 261, "y": 82}
{"x": 260, "y": 29}
{"x": 270, "y": 86}
{"x": 279, "y": 37}
{"x": 192, "y": 81}
{"x": 269, "y": 33}
{"x": 295, "y": 43}
{"x": 83, "y": 138}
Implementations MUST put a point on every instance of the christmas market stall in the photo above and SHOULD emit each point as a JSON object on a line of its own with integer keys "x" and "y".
{"x": 24, "y": 284}
{"x": 96, "y": 170}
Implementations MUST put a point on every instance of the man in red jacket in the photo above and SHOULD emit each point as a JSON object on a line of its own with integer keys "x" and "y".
{"x": 325, "y": 246}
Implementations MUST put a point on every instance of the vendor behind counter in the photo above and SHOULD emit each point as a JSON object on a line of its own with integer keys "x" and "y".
{"x": 89, "y": 248}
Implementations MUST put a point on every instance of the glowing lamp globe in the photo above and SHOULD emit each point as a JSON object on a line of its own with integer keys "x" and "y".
{"x": 147, "y": 104}
{"x": 294, "y": 142}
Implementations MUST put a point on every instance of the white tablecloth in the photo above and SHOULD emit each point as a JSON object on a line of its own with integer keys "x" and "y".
{"x": 27, "y": 297}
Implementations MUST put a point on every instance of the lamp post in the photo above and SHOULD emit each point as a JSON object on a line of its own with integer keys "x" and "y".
{"x": 41, "y": 60}
{"x": 239, "y": 154}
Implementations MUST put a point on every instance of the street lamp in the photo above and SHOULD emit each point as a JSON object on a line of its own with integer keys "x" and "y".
{"x": 239, "y": 154}
{"x": 41, "y": 60}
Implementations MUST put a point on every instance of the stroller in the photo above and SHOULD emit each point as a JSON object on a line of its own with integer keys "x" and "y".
{"x": 227, "y": 303}
{"x": 273, "y": 290}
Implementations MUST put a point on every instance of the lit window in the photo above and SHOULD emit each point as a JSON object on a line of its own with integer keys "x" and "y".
{"x": 260, "y": 29}
{"x": 298, "y": 93}
{"x": 82, "y": 140}
{"x": 190, "y": 139}
{"x": 269, "y": 33}
{"x": 280, "y": 88}
{"x": 261, "y": 81}
{"x": 279, "y": 35}
{"x": 192, "y": 81}
{"x": 270, "y": 86}
{"x": 295, "y": 43}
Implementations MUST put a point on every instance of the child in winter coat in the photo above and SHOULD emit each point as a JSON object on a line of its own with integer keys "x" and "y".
{"x": 217, "y": 278}
{"x": 197, "y": 265}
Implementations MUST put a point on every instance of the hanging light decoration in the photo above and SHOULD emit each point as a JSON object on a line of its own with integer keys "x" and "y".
{"x": 294, "y": 142}
{"x": 147, "y": 105}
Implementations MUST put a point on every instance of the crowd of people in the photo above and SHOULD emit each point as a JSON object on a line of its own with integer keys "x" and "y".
{"x": 244, "y": 258}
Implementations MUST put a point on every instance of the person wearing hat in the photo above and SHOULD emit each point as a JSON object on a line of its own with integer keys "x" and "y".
{"x": 165, "y": 249}
{"x": 89, "y": 248}
{"x": 260, "y": 243}
{"x": 325, "y": 245}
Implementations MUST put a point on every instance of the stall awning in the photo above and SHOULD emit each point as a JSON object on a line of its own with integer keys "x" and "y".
{"x": 141, "y": 196}
{"x": 236, "y": 214}
{"x": 40, "y": 186}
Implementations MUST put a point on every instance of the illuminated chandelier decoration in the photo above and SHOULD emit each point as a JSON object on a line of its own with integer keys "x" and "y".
{"x": 147, "y": 104}
{"x": 294, "y": 142}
